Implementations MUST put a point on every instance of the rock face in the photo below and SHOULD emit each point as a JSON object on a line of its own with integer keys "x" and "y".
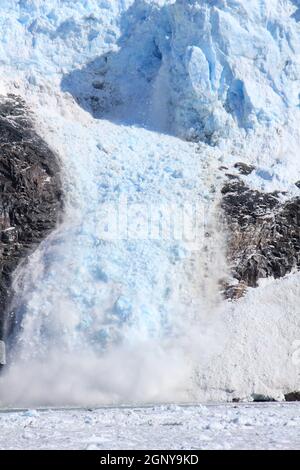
{"x": 292, "y": 396}
{"x": 30, "y": 194}
{"x": 264, "y": 235}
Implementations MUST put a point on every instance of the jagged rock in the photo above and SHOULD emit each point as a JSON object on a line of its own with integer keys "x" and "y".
{"x": 235, "y": 291}
{"x": 292, "y": 396}
{"x": 244, "y": 169}
{"x": 264, "y": 234}
{"x": 298, "y": 184}
{"x": 30, "y": 194}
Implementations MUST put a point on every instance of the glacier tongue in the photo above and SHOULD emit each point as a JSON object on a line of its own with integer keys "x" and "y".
{"x": 128, "y": 319}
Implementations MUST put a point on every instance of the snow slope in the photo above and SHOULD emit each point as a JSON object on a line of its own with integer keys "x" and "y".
{"x": 135, "y": 318}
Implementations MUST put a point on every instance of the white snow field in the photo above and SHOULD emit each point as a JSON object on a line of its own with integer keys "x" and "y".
{"x": 143, "y": 101}
{"x": 212, "y": 427}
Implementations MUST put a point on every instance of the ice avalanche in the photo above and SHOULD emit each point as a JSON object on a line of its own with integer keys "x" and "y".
{"x": 143, "y": 101}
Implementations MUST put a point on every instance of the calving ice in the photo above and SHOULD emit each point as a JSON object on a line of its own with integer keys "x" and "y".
{"x": 150, "y": 459}
{"x": 159, "y": 103}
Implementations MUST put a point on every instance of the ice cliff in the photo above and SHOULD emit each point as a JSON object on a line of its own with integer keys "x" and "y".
{"x": 224, "y": 70}
{"x": 148, "y": 102}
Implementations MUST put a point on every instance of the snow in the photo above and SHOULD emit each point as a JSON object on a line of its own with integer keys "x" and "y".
{"x": 260, "y": 356}
{"x": 132, "y": 318}
{"x": 253, "y": 426}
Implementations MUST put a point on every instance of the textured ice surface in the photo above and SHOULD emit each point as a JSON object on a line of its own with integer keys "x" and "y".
{"x": 259, "y": 426}
{"x": 115, "y": 85}
{"x": 235, "y": 59}
{"x": 223, "y": 71}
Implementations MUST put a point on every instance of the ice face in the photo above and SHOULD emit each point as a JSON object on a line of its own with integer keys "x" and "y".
{"x": 226, "y": 65}
{"x": 144, "y": 74}
{"x": 235, "y": 59}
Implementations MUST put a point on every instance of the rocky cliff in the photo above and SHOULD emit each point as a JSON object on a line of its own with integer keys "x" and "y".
{"x": 264, "y": 234}
{"x": 30, "y": 195}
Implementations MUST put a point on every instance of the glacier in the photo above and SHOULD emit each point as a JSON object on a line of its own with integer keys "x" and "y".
{"x": 143, "y": 101}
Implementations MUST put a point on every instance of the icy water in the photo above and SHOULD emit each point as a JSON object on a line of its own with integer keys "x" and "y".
{"x": 226, "y": 426}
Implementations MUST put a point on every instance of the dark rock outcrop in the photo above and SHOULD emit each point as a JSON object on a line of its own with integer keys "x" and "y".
{"x": 264, "y": 235}
{"x": 244, "y": 169}
{"x": 30, "y": 194}
{"x": 292, "y": 396}
{"x": 259, "y": 398}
